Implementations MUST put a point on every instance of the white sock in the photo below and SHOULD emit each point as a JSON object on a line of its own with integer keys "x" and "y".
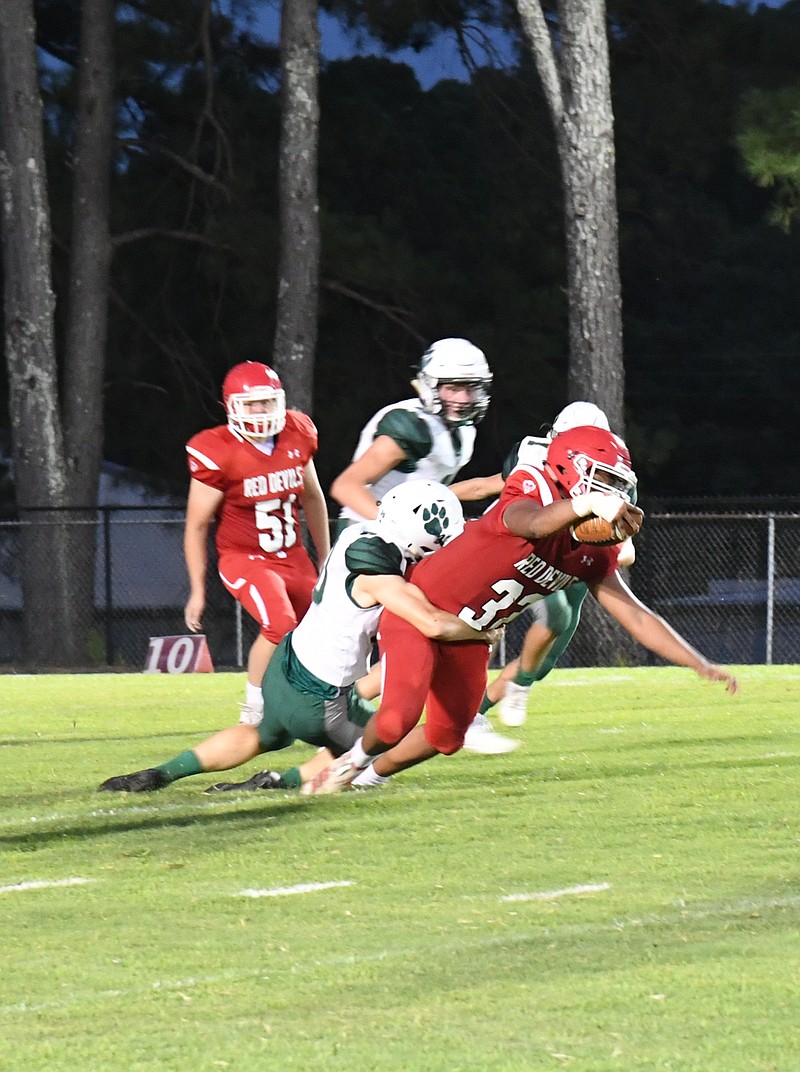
{"x": 255, "y": 697}
{"x": 368, "y": 778}
{"x": 358, "y": 757}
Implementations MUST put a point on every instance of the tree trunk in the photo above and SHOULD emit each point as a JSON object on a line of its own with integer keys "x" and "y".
{"x": 55, "y": 469}
{"x": 586, "y": 153}
{"x": 87, "y": 317}
{"x": 90, "y": 252}
{"x": 298, "y": 258}
{"x": 39, "y": 471}
{"x": 577, "y": 85}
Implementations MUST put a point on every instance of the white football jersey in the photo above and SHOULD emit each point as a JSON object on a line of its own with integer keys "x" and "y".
{"x": 334, "y": 639}
{"x": 446, "y": 451}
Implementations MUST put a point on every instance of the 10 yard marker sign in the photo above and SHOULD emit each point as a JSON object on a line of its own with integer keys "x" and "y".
{"x": 178, "y": 655}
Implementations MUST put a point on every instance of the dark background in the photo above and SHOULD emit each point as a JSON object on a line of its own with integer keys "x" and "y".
{"x": 440, "y": 214}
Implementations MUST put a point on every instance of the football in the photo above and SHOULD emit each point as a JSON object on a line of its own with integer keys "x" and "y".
{"x": 597, "y": 531}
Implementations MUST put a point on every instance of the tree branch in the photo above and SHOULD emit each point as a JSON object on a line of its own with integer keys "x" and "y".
{"x": 396, "y": 315}
{"x": 537, "y": 34}
{"x": 158, "y": 232}
{"x": 186, "y": 165}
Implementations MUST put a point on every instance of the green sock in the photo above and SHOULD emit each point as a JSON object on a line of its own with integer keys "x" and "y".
{"x": 486, "y": 704}
{"x": 291, "y": 778}
{"x": 182, "y": 766}
{"x": 525, "y": 677}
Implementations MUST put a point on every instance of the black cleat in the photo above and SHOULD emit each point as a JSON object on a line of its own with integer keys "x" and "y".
{"x": 265, "y": 779}
{"x": 141, "y": 781}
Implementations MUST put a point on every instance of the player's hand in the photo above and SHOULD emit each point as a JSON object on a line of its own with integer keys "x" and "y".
{"x": 616, "y": 510}
{"x": 628, "y": 521}
{"x": 493, "y": 636}
{"x": 712, "y": 672}
{"x": 193, "y": 613}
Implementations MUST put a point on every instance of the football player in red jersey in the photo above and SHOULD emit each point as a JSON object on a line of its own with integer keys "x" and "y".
{"x": 253, "y": 474}
{"x": 518, "y": 552}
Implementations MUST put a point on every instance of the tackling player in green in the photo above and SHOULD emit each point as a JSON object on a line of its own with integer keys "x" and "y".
{"x": 309, "y": 686}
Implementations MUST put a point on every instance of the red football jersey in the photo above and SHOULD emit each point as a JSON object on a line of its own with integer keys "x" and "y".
{"x": 488, "y": 576}
{"x": 259, "y": 514}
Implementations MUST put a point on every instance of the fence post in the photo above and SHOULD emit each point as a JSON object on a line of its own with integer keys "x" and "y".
{"x": 108, "y": 616}
{"x": 770, "y": 584}
{"x": 239, "y": 645}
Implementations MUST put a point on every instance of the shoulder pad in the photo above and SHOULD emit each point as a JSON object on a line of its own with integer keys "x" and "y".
{"x": 408, "y": 430}
{"x": 303, "y": 423}
{"x": 373, "y": 556}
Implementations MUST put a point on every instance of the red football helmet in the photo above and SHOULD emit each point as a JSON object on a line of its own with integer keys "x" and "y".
{"x": 253, "y": 382}
{"x": 588, "y": 458}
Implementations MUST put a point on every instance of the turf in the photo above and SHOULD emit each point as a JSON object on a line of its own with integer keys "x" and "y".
{"x": 621, "y": 892}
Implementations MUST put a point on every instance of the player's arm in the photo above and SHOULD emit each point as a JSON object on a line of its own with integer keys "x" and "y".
{"x": 410, "y": 603}
{"x": 350, "y": 486}
{"x": 653, "y": 632}
{"x": 479, "y": 487}
{"x": 201, "y": 507}
{"x": 529, "y": 519}
{"x": 315, "y": 510}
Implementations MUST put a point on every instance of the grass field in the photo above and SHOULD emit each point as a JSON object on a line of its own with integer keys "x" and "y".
{"x": 622, "y": 892}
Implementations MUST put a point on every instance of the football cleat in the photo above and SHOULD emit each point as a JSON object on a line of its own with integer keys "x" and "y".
{"x": 514, "y": 705}
{"x": 481, "y": 738}
{"x": 140, "y": 781}
{"x": 333, "y": 779}
{"x": 265, "y": 779}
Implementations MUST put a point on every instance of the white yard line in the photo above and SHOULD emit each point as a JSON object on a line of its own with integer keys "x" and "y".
{"x": 133, "y": 809}
{"x": 550, "y": 895}
{"x": 406, "y": 954}
{"x": 45, "y": 884}
{"x": 287, "y": 891}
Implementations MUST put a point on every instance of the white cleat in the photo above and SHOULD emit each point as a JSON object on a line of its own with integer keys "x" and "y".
{"x": 332, "y": 779}
{"x": 513, "y": 708}
{"x": 481, "y": 738}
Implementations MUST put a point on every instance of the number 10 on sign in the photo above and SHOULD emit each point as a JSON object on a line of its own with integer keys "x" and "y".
{"x": 178, "y": 655}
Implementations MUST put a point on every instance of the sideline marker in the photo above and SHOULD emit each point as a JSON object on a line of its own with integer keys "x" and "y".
{"x": 186, "y": 654}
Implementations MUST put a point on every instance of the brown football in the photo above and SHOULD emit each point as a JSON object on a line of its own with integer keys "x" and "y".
{"x": 595, "y": 530}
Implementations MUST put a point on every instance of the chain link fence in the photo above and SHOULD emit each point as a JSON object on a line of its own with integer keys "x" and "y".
{"x": 729, "y": 583}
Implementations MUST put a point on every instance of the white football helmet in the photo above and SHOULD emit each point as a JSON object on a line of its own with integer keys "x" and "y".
{"x": 419, "y": 516}
{"x": 249, "y": 382}
{"x": 579, "y": 415}
{"x": 454, "y": 361}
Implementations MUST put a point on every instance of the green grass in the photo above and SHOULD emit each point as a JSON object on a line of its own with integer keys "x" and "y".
{"x": 673, "y": 806}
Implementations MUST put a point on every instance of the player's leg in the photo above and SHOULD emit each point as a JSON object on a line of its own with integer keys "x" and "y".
{"x": 407, "y": 662}
{"x": 544, "y": 644}
{"x": 555, "y": 620}
{"x": 223, "y": 750}
{"x": 276, "y": 595}
{"x": 457, "y": 682}
{"x": 292, "y": 712}
{"x": 513, "y": 690}
{"x": 575, "y": 596}
{"x": 261, "y": 651}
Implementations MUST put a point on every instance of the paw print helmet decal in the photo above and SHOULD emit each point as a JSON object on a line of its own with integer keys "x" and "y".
{"x": 420, "y": 516}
